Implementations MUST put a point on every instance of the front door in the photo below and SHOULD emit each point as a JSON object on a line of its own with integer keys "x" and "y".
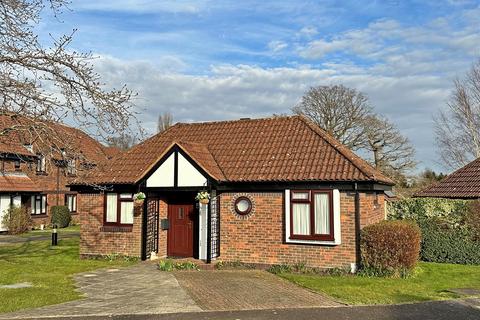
{"x": 180, "y": 233}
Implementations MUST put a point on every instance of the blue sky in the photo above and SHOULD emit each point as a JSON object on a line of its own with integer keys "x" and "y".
{"x": 212, "y": 60}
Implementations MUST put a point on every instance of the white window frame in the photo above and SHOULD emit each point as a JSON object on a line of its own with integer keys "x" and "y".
{"x": 71, "y": 202}
{"x": 124, "y": 197}
{"x": 336, "y": 222}
{"x": 43, "y": 204}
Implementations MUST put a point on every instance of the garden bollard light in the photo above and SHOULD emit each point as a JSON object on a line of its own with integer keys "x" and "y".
{"x": 54, "y": 235}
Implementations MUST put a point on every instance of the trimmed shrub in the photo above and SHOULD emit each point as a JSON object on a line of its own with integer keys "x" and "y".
{"x": 445, "y": 243}
{"x": 17, "y": 220}
{"x": 60, "y": 216}
{"x": 390, "y": 247}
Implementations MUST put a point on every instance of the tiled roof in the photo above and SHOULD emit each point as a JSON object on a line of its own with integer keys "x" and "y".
{"x": 67, "y": 137}
{"x": 17, "y": 183}
{"x": 463, "y": 184}
{"x": 270, "y": 149}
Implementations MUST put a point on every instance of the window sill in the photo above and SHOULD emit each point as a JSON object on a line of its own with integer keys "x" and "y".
{"x": 116, "y": 229}
{"x": 38, "y": 216}
{"x": 313, "y": 242}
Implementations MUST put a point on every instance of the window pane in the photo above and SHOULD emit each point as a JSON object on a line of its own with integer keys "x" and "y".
{"x": 126, "y": 212}
{"x": 322, "y": 210}
{"x": 74, "y": 203}
{"x": 126, "y": 196}
{"x": 111, "y": 207}
{"x": 301, "y": 218}
{"x": 299, "y": 195}
{"x": 32, "y": 204}
{"x": 44, "y": 204}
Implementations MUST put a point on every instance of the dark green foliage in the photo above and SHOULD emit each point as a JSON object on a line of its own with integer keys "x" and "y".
{"x": 445, "y": 243}
{"x": 17, "y": 220}
{"x": 60, "y": 216}
{"x": 390, "y": 247}
{"x": 450, "y": 228}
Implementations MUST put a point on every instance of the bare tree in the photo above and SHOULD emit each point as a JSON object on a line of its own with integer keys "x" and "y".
{"x": 123, "y": 142}
{"x": 165, "y": 121}
{"x": 391, "y": 152}
{"x": 457, "y": 129}
{"x": 46, "y": 84}
{"x": 338, "y": 110}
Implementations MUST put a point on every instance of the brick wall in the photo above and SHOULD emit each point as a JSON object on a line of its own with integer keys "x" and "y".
{"x": 95, "y": 239}
{"x": 162, "y": 234}
{"x": 260, "y": 238}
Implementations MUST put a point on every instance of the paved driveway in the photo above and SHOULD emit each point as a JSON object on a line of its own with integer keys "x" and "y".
{"x": 247, "y": 290}
{"x": 143, "y": 289}
{"x": 140, "y": 289}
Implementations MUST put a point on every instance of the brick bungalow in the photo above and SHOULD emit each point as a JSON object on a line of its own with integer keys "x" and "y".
{"x": 282, "y": 191}
{"x": 36, "y": 179}
{"x": 461, "y": 184}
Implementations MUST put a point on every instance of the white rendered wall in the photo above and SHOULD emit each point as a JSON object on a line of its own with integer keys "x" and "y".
{"x": 188, "y": 175}
{"x": 164, "y": 175}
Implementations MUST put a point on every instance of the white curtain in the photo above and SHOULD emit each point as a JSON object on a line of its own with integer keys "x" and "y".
{"x": 126, "y": 212}
{"x": 111, "y": 207}
{"x": 322, "y": 218}
{"x": 301, "y": 218}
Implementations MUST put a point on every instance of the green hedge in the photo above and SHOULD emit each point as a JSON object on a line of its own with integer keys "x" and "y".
{"x": 450, "y": 228}
{"x": 450, "y": 211}
{"x": 443, "y": 243}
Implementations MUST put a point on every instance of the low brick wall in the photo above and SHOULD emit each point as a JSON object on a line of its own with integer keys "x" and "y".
{"x": 95, "y": 239}
{"x": 260, "y": 239}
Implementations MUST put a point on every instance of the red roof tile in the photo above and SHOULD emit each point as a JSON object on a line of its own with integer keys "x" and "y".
{"x": 271, "y": 149}
{"x": 462, "y": 184}
{"x": 17, "y": 183}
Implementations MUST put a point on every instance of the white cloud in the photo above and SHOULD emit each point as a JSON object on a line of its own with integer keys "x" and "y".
{"x": 141, "y": 5}
{"x": 232, "y": 92}
{"x": 277, "y": 45}
{"x": 309, "y": 31}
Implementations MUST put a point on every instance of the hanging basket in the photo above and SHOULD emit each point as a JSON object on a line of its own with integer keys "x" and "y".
{"x": 138, "y": 202}
{"x": 204, "y": 201}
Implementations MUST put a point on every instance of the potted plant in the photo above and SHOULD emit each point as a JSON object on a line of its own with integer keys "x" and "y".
{"x": 138, "y": 198}
{"x": 203, "y": 197}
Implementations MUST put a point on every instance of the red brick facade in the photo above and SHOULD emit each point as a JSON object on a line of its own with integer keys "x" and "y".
{"x": 95, "y": 239}
{"x": 261, "y": 238}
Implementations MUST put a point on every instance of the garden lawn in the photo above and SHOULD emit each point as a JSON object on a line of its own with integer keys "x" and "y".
{"x": 48, "y": 268}
{"x": 430, "y": 282}
{"x": 48, "y": 231}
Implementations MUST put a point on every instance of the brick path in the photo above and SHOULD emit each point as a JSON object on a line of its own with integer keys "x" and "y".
{"x": 247, "y": 289}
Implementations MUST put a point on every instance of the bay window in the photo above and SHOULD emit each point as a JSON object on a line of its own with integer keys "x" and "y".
{"x": 311, "y": 215}
{"x": 38, "y": 204}
{"x": 118, "y": 209}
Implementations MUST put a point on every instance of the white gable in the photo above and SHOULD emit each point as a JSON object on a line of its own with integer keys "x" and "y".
{"x": 164, "y": 175}
{"x": 188, "y": 175}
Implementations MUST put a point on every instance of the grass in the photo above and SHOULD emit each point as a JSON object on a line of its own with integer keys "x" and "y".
{"x": 48, "y": 268}
{"x": 49, "y": 231}
{"x": 430, "y": 282}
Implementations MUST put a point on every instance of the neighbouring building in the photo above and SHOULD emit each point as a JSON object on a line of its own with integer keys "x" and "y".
{"x": 35, "y": 169}
{"x": 461, "y": 184}
{"x": 281, "y": 191}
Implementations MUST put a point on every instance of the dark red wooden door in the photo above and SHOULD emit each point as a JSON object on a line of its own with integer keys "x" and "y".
{"x": 180, "y": 233}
